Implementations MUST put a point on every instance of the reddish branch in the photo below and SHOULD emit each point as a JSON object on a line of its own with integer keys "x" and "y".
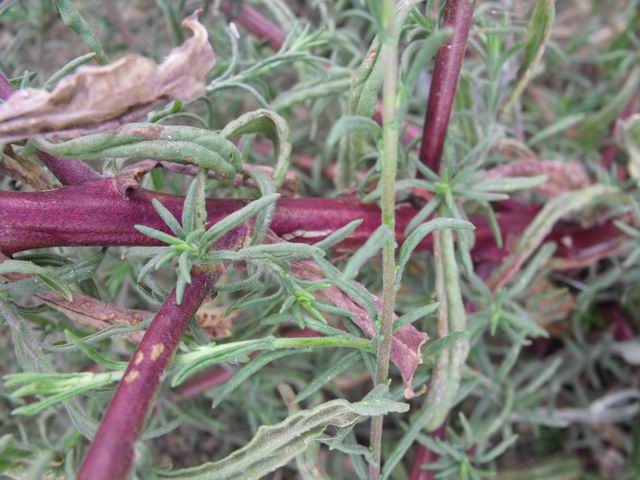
{"x": 104, "y": 212}
{"x": 255, "y": 22}
{"x": 458, "y": 16}
{"x": 425, "y": 456}
{"x": 69, "y": 172}
{"x": 112, "y": 450}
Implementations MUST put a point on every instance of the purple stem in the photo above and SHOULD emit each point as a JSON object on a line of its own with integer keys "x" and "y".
{"x": 69, "y": 172}
{"x": 111, "y": 453}
{"x": 103, "y": 213}
{"x": 458, "y": 16}
{"x": 425, "y": 456}
{"x": 6, "y": 89}
{"x": 256, "y": 23}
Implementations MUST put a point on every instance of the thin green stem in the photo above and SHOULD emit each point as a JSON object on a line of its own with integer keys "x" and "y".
{"x": 389, "y": 167}
{"x": 319, "y": 342}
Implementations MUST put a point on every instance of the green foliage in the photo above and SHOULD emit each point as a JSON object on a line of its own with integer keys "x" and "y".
{"x": 273, "y": 446}
{"x": 524, "y": 358}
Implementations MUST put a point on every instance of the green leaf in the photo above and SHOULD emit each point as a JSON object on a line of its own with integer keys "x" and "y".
{"x": 347, "y": 125}
{"x": 247, "y": 371}
{"x": 417, "y": 235}
{"x": 538, "y": 33}
{"x": 412, "y": 316}
{"x": 435, "y": 347}
{"x": 272, "y": 126}
{"x": 336, "y": 82}
{"x": 72, "y": 19}
{"x": 539, "y": 228}
{"x": 338, "y": 236}
{"x": 67, "y": 69}
{"x": 158, "y": 235}
{"x": 274, "y": 446}
{"x": 238, "y": 217}
{"x": 325, "y": 376}
{"x": 168, "y": 218}
{"x": 372, "y": 246}
{"x": 596, "y": 125}
{"x": 190, "y": 363}
{"x": 631, "y": 142}
{"x": 92, "y": 353}
{"x": 510, "y": 184}
{"x": 172, "y": 143}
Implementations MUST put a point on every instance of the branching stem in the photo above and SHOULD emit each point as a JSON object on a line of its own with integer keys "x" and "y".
{"x": 111, "y": 453}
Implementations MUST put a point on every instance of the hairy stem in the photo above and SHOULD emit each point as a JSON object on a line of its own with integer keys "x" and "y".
{"x": 112, "y": 450}
{"x": 389, "y": 167}
{"x": 458, "y": 16}
{"x": 69, "y": 172}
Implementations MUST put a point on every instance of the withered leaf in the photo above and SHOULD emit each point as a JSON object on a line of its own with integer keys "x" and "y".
{"x": 562, "y": 176}
{"x": 103, "y": 97}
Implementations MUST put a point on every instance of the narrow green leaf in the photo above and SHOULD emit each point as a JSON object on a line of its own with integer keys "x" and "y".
{"x": 338, "y": 236}
{"x": 372, "y": 246}
{"x": 417, "y": 235}
{"x": 249, "y": 370}
{"x": 238, "y": 217}
{"x": 167, "y": 218}
{"x": 272, "y": 126}
{"x": 158, "y": 235}
{"x": 274, "y": 446}
{"x": 92, "y": 353}
{"x": 538, "y": 33}
{"x": 72, "y": 19}
{"x": 325, "y": 376}
{"x": 347, "y": 125}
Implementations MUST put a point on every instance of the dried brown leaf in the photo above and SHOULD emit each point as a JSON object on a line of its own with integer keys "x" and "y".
{"x": 562, "y": 176}
{"x": 102, "y": 97}
{"x": 90, "y": 312}
{"x": 23, "y": 170}
{"x": 214, "y": 321}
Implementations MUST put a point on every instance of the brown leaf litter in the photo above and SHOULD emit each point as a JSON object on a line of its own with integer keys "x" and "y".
{"x": 103, "y": 97}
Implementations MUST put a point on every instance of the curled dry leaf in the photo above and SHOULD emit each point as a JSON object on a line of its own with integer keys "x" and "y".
{"x": 90, "y": 312}
{"x": 102, "y": 97}
{"x": 562, "y": 176}
{"x": 24, "y": 170}
{"x": 214, "y": 321}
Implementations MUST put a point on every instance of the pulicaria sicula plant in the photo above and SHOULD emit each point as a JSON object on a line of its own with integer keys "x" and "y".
{"x": 382, "y": 239}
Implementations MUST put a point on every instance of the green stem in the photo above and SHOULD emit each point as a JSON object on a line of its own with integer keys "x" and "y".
{"x": 389, "y": 161}
{"x": 320, "y": 342}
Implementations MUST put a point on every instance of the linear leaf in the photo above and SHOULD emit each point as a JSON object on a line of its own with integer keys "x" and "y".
{"x": 538, "y": 33}
{"x": 275, "y": 445}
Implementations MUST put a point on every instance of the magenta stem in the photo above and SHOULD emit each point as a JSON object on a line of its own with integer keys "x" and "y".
{"x": 111, "y": 453}
{"x": 256, "y": 23}
{"x": 103, "y": 213}
{"x": 458, "y": 16}
{"x": 424, "y": 456}
{"x": 6, "y": 89}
